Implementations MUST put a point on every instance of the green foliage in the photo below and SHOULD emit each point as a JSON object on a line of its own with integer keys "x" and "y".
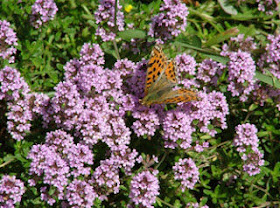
{"x": 43, "y": 52}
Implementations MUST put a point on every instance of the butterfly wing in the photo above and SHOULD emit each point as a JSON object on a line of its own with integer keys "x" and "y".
{"x": 156, "y": 65}
{"x": 170, "y": 71}
{"x": 178, "y": 96}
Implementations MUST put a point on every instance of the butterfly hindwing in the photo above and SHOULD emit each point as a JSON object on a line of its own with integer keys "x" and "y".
{"x": 179, "y": 95}
{"x": 156, "y": 65}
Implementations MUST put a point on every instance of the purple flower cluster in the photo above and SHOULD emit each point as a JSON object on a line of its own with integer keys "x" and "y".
{"x": 42, "y": 12}
{"x": 106, "y": 179}
{"x": 186, "y": 64}
{"x": 246, "y": 136}
{"x": 80, "y": 194}
{"x": 54, "y": 162}
{"x": 270, "y": 60}
{"x": 19, "y": 117}
{"x": 144, "y": 188}
{"x": 14, "y": 90}
{"x": 195, "y": 205}
{"x": 268, "y": 6}
{"x": 12, "y": 86}
{"x": 105, "y": 18}
{"x": 91, "y": 100}
{"x": 147, "y": 122}
{"x": 246, "y": 141}
{"x": 186, "y": 172}
{"x": 242, "y": 70}
{"x": 177, "y": 126}
{"x": 199, "y": 148}
{"x": 240, "y": 43}
{"x": 209, "y": 71}
{"x": 212, "y": 109}
{"x": 11, "y": 191}
{"x": 170, "y": 22}
{"x": 8, "y": 41}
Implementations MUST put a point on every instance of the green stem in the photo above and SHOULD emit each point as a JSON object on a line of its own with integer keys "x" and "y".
{"x": 116, "y": 49}
{"x": 163, "y": 202}
{"x": 6, "y": 163}
{"x": 162, "y": 159}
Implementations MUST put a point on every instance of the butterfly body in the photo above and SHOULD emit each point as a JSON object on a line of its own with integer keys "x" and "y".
{"x": 160, "y": 81}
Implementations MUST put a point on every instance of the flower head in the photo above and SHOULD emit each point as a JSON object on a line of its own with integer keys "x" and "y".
{"x": 170, "y": 22}
{"x": 11, "y": 191}
{"x": 8, "y": 41}
{"x": 105, "y": 18}
{"x": 186, "y": 172}
{"x": 144, "y": 188}
{"x": 42, "y": 12}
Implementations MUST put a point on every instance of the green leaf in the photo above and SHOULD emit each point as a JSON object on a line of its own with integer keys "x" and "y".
{"x": 205, "y": 52}
{"x": 129, "y": 34}
{"x": 229, "y": 9}
{"x": 222, "y": 37}
{"x": 271, "y": 80}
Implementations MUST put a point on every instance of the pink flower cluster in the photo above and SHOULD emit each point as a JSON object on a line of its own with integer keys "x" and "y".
{"x": 11, "y": 191}
{"x": 144, "y": 188}
{"x": 241, "y": 67}
{"x": 170, "y": 22}
{"x": 105, "y": 18}
{"x": 268, "y": 6}
{"x": 8, "y": 41}
{"x": 56, "y": 161}
{"x": 186, "y": 172}
{"x": 246, "y": 141}
{"x": 42, "y": 12}
{"x": 270, "y": 60}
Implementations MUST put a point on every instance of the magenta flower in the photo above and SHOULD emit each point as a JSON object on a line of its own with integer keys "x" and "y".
{"x": 270, "y": 60}
{"x": 246, "y": 141}
{"x": 12, "y": 86}
{"x": 177, "y": 127}
{"x": 80, "y": 194}
{"x": 105, "y": 179}
{"x": 144, "y": 188}
{"x": 66, "y": 106}
{"x": 252, "y": 162}
{"x": 209, "y": 71}
{"x": 19, "y": 118}
{"x": 92, "y": 54}
{"x": 57, "y": 162}
{"x": 186, "y": 64}
{"x": 170, "y": 22}
{"x": 42, "y": 12}
{"x": 242, "y": 70}
{"x": 105, "y": 18}
{"x": 147, "y": 122}
{"x": 8, "y": 41}
{"x": 11, "y": 191}
{"x": 211, "y": 109}
{"x": 240, "y": 43}
{"x": 124, "y": 157}
{"x": 246, "y": 136}
{"x": 186, "y": 172}
{"x": 268, "y": 6}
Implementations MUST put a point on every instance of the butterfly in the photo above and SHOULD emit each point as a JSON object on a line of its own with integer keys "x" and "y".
{"x": 160, "y": 81}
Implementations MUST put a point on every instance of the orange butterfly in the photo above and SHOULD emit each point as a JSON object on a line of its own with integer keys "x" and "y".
{"x": 160, "y": 81}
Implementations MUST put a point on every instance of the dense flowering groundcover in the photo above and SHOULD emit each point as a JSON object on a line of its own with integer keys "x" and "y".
{"x": 74, "y": 134}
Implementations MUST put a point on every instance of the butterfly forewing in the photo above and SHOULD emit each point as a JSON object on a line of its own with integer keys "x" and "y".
{"x": 156, "y": 65}
{"x": 170, "y": 71}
